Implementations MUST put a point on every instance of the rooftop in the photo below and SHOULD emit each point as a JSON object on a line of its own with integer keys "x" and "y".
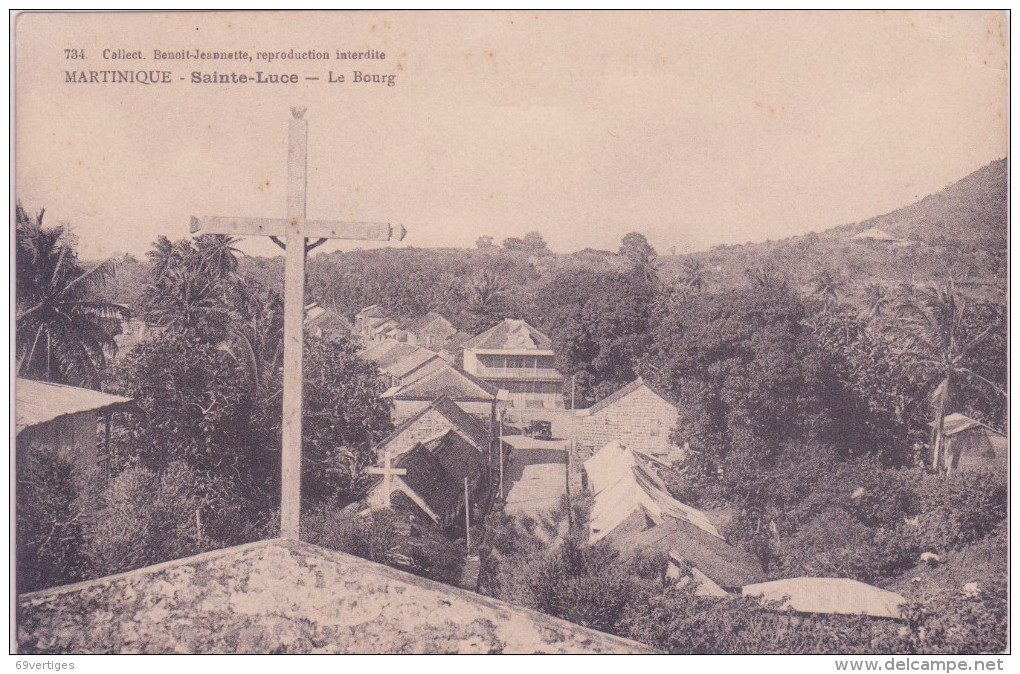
{"x": 623, "y": 393}
{"x": 442, "y": 379}
{"x": 510, "y": 334}
{"x": 37, "y": 402}
{"x": 282, "y": 596}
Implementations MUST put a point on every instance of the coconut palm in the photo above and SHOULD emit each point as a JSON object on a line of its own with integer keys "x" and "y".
{"x": 933, "y": 322}
{"x": 486, "y": 299}
{"x": 217, "y": 254}
{"x": 63, "y": 328}
{"x": 692, "y": 275}
{"x": 188, "y": 280}
{"x": 827, "y": 287}
{"x": 876, "y": 300}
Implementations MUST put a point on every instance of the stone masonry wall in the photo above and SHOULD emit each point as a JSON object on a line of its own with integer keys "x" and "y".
{"x": 641, "y": 420}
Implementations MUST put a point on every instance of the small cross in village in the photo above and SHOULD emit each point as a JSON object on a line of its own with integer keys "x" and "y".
{"x": 387, "y": 471}
{"x": 292, "y": 234}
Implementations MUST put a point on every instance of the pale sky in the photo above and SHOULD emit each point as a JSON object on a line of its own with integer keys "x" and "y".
{"x": 693, "y": 128}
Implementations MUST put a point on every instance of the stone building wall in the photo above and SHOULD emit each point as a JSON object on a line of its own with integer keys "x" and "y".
{"x": 641, "y": 420}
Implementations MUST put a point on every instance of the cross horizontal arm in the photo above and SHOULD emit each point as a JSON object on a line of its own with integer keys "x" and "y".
{"x": 384, "y": 471}
{"x": 313, "y": 229}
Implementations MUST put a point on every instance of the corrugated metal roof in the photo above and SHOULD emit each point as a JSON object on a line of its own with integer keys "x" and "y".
{"x": 725, "y": 564}
{"x": 957, "y": 423}
{"x": 37, "y": 402}
{"x": 441, "y": 379}
{"x": 622, "y": 485}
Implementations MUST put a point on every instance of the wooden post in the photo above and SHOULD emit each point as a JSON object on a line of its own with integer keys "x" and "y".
{"x": 387, "y": 471}
{"x": 293, "y": 330}
{"x": 295, "y": 229}
{"x": 106, "y": 446}
{"x": 467, "y": 514}
{"x": 501, "y": 496}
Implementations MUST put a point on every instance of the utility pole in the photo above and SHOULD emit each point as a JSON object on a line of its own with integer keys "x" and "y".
{"x": 501, "y": 454}
{"x": 573, "y": 390}
{"x": 467, "y": 514}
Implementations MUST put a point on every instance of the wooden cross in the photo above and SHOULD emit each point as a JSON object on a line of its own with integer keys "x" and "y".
{"x": 387, "y": 471}
{"x": 291, "y": 234}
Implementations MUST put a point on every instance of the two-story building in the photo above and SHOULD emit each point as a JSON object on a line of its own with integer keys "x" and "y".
{"x": 518, "y": 358}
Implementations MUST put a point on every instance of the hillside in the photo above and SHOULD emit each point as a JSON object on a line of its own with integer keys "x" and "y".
{"x": 961, "y": 231}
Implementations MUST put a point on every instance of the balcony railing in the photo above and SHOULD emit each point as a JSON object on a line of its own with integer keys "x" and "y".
{"x": 518, "y": 373}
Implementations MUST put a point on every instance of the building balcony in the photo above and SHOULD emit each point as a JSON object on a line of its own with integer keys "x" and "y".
{"x": 524, "y": 373}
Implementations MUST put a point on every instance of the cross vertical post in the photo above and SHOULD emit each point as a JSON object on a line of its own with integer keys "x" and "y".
{"x": 387, "y": 471}
{"x": 292, "y": 233}
{"x": 293, "y": 328}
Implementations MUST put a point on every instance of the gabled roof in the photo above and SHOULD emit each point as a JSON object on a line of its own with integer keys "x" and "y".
{"x": 442, "y": 379}
{"x": 411, "y": 362}
{"x": 510, "y": 334}
{"x": 458, "y": 418}
{"x": 458, "y": 457}
{"x": 463, "y": 422}
{"x": 726, "y": 565}
{"x": 957, "y": 423}
{"x": 379, "y": 349}
{"x": 373, "y": 311}
{"x": 37, "y": 402}
{"x": 829, "y": 595}
{"x": 421, "y": 323}
{"x": 621, "y": 485}
{"x": 455, "y": 342}
{"x": 429, "y": 479}
{"x": 619, "y": 394}
{"x": 394, "y": 355}
{"x": 318, "y": 315}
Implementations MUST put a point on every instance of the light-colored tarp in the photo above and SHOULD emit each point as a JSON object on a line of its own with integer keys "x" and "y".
{"x": 829, "y": 595}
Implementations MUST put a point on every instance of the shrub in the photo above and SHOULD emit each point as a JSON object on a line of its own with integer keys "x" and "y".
{"x": 50, "y": 520}
{"x": 960, "y": 510}
{"x": 144, "y": 518}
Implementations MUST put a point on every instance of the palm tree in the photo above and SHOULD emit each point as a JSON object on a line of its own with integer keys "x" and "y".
{"x": 217, "y": 254}
{"x": 876, "y": 300}
{"x": 641, "y": 255}
{"x": 826, "y": 286}
{"x": 692, "y": 275}
{"x": 63, "y": 329}
{"x": 933, "y": 323}
{"x": 486, "y": 299}
{"x": 188, "y": 281}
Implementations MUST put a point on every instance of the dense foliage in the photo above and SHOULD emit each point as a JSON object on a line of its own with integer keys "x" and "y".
{"x": 64, "y": 328}
{"x": 811, "y": 386}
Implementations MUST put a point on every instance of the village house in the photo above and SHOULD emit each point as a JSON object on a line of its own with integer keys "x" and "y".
{"x": 973, "y": 445}
{"x": 372, "y": 324}
{"x": 430, "y": 331}
{"x": 434, "y": 475}
{"x": 829, "y": 596}
{"x": 438, "y": 378}
{"x": 66, "y": 419}
{"x": 322, "y": 322}
{"x": 637, "y": 415}
{"x": 633, "y": 510}
{"x": 399, "y": 361}
{"x": 133, "y": 331}
{"x": 434, "y": 420}
{"x": 452, "y": 351}
{"x": 518, "y": 358}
